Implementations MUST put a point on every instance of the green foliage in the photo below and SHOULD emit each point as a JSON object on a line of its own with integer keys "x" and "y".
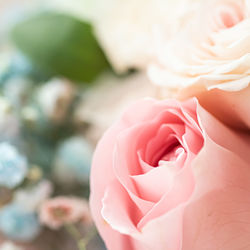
{"x": 61, "y": 45}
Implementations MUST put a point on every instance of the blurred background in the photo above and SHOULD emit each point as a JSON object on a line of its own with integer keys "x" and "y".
{"x": 66, "y": 73}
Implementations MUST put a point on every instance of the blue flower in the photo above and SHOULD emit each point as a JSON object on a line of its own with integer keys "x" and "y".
{"x": 73, "y": 160}
{"x": 13, "y": 166}
{"x": 20, "y": 65}
{"x": 18, "y": 224}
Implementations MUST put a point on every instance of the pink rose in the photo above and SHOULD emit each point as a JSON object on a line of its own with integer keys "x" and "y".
{"x": 169, "y": 176}
{"x": 230, "y": 107}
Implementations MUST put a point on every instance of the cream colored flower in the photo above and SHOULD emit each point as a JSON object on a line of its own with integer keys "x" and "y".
{"x": 210, "y": 50}
{"x": 127, "y": 28}
{"x": 55, "y": 98}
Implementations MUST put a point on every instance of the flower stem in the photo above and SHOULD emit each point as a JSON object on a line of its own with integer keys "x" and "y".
{"x": 82, "y": 242}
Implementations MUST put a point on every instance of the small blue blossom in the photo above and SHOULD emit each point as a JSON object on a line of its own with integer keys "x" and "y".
{"x": 13, "y": 65}
{"x": 73, "y": 160}
{"x": 17, "y": 89}
{"x": 9, "y": 124}
{"x": 13, "y": 166}
{"x": 20, "y": 64}
{"x": 17, "y": 223}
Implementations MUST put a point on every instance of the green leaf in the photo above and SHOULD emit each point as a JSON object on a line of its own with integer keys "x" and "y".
{"x": 61, "y": 45}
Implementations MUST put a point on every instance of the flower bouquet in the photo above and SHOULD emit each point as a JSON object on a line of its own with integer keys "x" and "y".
{"x": 168, "y": 81}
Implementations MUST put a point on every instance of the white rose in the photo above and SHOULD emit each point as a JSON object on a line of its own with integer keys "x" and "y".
{"x": 128, "y": 29}
{"x": 210, "y": 50}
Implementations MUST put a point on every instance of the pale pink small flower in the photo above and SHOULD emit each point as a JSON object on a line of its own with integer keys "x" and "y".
{"x": 58, "y": 211}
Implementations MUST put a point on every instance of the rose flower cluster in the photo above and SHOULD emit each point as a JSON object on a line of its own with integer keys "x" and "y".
{"x": 174, "y": 174}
